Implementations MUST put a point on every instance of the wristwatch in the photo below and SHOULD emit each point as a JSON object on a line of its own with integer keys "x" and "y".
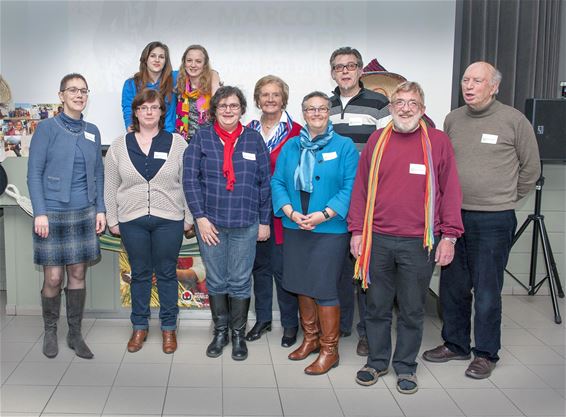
{"x": 450, "y": 239}
{"x": 326, "y": 215}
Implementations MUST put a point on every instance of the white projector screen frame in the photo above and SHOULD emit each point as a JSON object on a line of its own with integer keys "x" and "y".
{"x": 43, "y": 40}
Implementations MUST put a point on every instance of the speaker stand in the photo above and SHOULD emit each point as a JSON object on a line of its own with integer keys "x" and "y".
{"x": 539, "y": 231}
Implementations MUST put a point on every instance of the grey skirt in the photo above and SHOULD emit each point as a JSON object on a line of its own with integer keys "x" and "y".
{"x": 72, "y": 238}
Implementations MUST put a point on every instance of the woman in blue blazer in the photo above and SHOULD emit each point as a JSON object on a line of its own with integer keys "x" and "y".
{"x": 65, "y": 182}
{"x": 311, "y": 189}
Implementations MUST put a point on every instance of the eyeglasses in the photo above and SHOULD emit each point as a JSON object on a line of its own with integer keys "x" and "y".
{"x": 350, "y": 66}
{"x": 314, "y": 110}
{"x": 146, "y": 109}
{"x": 232, "y": 106}
{"x": 74, "y": 91}
{"x": 399, "y": 104}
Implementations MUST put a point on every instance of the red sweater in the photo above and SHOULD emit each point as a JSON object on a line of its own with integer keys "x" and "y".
{"x": 399, "y": 207}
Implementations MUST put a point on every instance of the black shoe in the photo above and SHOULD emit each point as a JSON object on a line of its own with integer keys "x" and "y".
{"x": 289, "y": 336}
{"x": 345, "y": 333}
{"x": 260, "y": 327}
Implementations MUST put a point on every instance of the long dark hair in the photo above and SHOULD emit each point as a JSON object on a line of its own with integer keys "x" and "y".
{"x": 141, "y": 78}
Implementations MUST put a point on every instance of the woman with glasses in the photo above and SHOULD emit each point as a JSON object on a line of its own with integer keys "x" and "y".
{"x": 146, "y": 206}
{"x": 311, "y": 189}
{"x": 155, "y": 72}
{"x": 196, "y": 83}
{"x": 226, "y": 182}
{"x": 275, "y": 125}
{"x": 65, "y": 181}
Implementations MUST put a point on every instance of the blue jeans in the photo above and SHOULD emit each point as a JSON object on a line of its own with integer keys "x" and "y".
{"x": 229, "y": 263}
{"x": 268, "y": 265}
{"x": 153, "y": 245}
{"x": 479, "y": 263}
{"x": 400, "y": 268}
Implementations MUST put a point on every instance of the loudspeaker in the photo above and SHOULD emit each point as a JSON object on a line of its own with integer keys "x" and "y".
{"x": 548, "y": 117}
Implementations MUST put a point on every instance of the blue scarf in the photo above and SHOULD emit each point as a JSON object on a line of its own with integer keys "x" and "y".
{"x": 309, "y": 146}
{"x": 278, "y": 135}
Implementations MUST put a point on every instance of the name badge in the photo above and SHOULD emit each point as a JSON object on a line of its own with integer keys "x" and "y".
{"x": 487, "y": 138}
{"x": 329, "y": 156}
{"x": 355, "y": 121}
{"x": 160, "y": 155}
{"x": 89, "y": 136}
{"x": 417, "y": 169}
{"x": 248, "y": 156}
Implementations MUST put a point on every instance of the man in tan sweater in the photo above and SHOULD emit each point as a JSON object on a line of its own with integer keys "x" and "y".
{"x": 498, "y": 164}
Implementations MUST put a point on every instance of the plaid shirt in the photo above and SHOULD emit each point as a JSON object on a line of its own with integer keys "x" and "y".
{"x": 205, "y": 185}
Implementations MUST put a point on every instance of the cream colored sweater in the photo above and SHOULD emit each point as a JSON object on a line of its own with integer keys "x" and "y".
{"x": 128, "y": 195}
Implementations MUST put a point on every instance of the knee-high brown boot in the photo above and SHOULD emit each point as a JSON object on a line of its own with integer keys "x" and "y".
{"x": 329, "y": 318}
{"x": 309, "y": 322}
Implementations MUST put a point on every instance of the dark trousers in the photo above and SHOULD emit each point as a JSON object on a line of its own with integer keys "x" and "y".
{"x": 479, "y": 264}
{"x": 399, "y": 268}
{"x": 153, "y": 245}
{"x": 268, "y": 265}
{"x": 348, "y": 289}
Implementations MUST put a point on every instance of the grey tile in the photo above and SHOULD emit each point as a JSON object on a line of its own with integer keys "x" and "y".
{"x": 79, "y": 373}
{"x": 6, "y": 369}
{"x": 483, "y": 402}
{"x": 367, "y": 402}
{"x": 516, "y": 376}
{"x": 553, "y": 375}
{"x": 193, "y": 375}
{"x": 135, "y": 401}
{"x": 24, "y": 399}
{"x": 427, "y": 402}
{"x": 196, "y": 353}
{"x": 37, "y": 373}
{"x": 310, "y": 402}
{"x": 248, "y": 376}
{"x": 143, "y": 375}
{"x": 518, "y": 337}
{"x": 78, "y": 399}
{"x": 251, "y": 402}
{"x": 14, "y": 351}
{"x": 13, "y": 333}
{"x": 454, "y": 377}
{"x": 536, "y": 355}
{"x": 193, "y": 401}
{"x": 257, "y": 354}
{"x": 110, "y": 334}
{"x": 537, "y": 402}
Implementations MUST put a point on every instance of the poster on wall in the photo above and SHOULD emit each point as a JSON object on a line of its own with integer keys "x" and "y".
{"x": 19, "y": 121}
{"x": 191, "y": 274}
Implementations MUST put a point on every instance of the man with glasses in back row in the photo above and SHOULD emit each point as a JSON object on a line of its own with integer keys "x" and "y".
{"x": 356, "y": 112}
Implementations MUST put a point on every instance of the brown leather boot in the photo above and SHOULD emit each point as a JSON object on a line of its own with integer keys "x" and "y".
{"x": 329, "y": 318}
{"x": 136, "y": 341}
{"x": 169, "y": 341}
{"x": 309, "y": 322}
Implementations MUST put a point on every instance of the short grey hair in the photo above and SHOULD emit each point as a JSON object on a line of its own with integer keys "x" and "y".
{"x": 409, "y": 86}
{"x": 312, "y": 95}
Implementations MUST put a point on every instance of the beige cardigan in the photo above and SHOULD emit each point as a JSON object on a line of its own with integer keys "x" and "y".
{"x": 129, "y": 196}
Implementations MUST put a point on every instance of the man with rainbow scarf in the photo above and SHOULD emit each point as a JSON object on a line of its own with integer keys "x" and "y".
{"x": 405, "y": 218}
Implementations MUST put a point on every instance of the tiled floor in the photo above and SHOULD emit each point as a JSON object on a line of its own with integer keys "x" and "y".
{"x": 528, "y": 381}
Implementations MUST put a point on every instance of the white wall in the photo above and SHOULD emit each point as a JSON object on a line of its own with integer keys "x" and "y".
{"x": 42, "y": 41}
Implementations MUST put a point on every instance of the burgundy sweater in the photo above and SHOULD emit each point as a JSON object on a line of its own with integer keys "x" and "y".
{"x": 399, "y": 207}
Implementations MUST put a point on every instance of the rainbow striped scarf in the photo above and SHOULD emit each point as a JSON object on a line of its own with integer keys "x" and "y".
{"x": 361, "y": 270}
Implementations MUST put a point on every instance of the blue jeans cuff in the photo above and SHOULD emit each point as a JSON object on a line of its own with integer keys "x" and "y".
{"x": 140, "y": 327}
{"x": 169, "y": 328}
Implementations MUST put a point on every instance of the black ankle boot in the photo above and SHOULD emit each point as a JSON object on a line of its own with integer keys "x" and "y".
{"x": 239, "y": 318}
{"x": 219, "y": 310}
